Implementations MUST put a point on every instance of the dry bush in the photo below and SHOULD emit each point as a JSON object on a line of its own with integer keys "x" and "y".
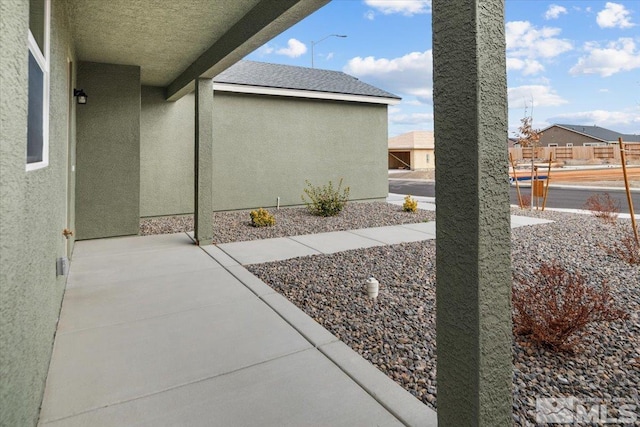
{"x": 526, "y": 201}
{"x": 554, "y": 305}
{"x": 627, "y": 250}
{"x": 604, "y": 207}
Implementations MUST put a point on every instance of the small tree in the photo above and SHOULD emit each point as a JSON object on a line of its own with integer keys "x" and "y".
{"x": 527, "y": 135}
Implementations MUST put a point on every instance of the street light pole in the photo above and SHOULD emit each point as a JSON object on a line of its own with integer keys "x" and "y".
{"x": 313, "y": 44}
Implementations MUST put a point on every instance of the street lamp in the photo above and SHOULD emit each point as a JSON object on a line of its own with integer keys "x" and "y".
{"x": 313, "y": 44}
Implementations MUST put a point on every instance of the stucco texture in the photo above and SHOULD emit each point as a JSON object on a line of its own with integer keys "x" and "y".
{"x": 108, "y": 151}
{"x": 166, "y": 153}
{"x": 264, "y": 147}
{"x": 473, "y": 247}
{"x": 32, "y": 217}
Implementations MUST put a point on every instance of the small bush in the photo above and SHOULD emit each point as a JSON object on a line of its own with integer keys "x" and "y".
{"x": 410, "y": 204}
{"x": 262, "y": 218}
{"x": 325, "y": 201}
{"x": 627, "y": 250}
{"x": 526, "y": 201}
{"x": 554, "y": 305}
{"x": 604, "y": 207}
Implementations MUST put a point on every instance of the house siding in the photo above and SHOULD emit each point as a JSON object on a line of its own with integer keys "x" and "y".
{"x": 108, "y": 151}
{"x": 32, "y": 217}
{"x": 265, "y": 147}
{"x": 166, "y": 153}
{"x": 562, "y": 137}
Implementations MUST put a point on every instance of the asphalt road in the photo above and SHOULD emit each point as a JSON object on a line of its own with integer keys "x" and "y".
{"x": 558, "y": 197}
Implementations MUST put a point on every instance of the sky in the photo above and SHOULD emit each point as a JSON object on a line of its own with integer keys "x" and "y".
{"x": 572, "y": 62}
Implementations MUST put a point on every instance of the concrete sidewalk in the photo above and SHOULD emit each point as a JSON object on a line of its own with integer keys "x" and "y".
{"x": 154, "y": 331}
{"x": 281, "y": 248}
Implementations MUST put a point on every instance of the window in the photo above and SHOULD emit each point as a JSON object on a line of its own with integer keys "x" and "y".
{"x": 569, "y": 144}
{"x": 552, "y": 145}
{"x": 38, "y": 112}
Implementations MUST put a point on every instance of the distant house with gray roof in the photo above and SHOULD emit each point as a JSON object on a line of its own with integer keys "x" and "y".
{"x": 275, "y": 126}
{"x": 565, "y": 135}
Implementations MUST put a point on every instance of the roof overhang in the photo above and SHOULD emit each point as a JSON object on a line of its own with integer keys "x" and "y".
{"x": 176, "y": 42}
{"x": 297, "y": 93}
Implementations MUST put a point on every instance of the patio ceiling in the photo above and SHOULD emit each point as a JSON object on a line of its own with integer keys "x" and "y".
{"x": 175, "y": 42}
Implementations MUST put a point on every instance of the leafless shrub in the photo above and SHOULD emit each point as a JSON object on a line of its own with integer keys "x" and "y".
{"x": 604, "y": 207}
{"x": 554, "y": 305}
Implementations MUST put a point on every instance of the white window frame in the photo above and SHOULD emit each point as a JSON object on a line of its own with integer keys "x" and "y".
{"x": 569, "y": 144}
{"x": 551, "y": 145}
{"x": 42, "y": 58}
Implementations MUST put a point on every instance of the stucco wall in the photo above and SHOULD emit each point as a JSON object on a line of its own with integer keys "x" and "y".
{"x": 264, "y": 147}
{"x": 32, "y": 217}
{"x": 108, "y": 151}
{"x": 166, "y": 153}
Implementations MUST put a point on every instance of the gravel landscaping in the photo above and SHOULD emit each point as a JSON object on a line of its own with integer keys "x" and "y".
{"x": 397, "y": 332}
{"x": 236, "y": 226}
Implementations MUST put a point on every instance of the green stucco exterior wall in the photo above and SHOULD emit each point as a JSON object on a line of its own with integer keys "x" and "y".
{"x": 166, "y": 153}
{"x": 108, "y": 151}
{"x": 473, "y": 278}
{"x": 32, "y": 216}
{"x": 264, "y": 147}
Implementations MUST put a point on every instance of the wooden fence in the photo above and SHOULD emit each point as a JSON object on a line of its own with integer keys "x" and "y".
{"x": 609, "y": 153}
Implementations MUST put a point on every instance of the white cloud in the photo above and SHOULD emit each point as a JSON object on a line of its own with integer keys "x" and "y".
{"x": 617, "y": 56}
{"x": 534, "y": 95}
{"x": 405, "y": 7}
{"x": 410, "y": 74}
{"x": 527, "y": 41}
{"x": 604, "y": 91}
{"x": 554, "y": 12}
{"x": 614, "y": 15}
{"x": 411, "y": 119}
{"x": 370, "y": 15}
{"x": 294, "y": 49}
{"x": 602, "y": 118}
{"x": 330, "y": 56}
{"x": 266, "y": 49}
{"x": 527, "y": 66}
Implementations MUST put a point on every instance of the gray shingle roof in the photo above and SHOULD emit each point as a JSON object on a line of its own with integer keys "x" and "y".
{"x": 601, "y": 133}
{"x": 262, "y": 74}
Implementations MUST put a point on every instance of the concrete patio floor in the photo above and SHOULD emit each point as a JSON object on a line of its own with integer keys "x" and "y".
{"x": 157, "y": 331}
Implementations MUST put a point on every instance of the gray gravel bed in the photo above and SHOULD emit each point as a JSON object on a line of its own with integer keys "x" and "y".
{"x": 236, "y": 226}
{"x": 397, "y": 333}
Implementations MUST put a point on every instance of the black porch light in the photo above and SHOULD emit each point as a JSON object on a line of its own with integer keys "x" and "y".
{"x": 81, "y": 96}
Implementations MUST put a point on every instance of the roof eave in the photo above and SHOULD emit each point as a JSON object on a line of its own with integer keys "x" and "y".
{"x": 299, "y": 93}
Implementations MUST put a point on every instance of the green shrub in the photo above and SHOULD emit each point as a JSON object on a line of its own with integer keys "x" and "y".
{"x": 325, "y": 200}
{"x": 410, "y": 204}
{"x": 262, "y": 218}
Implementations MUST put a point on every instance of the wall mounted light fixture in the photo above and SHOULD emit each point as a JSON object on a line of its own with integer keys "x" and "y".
{"x": 82, "y": 97}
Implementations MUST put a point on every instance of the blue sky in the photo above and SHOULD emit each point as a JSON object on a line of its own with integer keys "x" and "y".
{"x": 575, "y": 62}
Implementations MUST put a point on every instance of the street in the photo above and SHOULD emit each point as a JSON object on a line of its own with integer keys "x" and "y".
{"x": 558, "y": 197}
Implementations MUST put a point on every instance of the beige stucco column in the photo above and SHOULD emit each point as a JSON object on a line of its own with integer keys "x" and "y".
{"x": 473, "y": 294}
{"x": 203, "y": 170}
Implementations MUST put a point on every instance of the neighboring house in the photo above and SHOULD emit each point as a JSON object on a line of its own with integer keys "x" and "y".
{"x": 275, "y": 126}
{"x": 563, "y": 135}
{"x": 412, "y": 150}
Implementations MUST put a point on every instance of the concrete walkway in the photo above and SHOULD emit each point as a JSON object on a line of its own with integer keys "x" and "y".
{"x": 156, "y": 331}
{"x": 281, "y": 248}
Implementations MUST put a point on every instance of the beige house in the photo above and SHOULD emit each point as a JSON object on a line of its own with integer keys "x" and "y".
{"x": 412, "y": 150}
